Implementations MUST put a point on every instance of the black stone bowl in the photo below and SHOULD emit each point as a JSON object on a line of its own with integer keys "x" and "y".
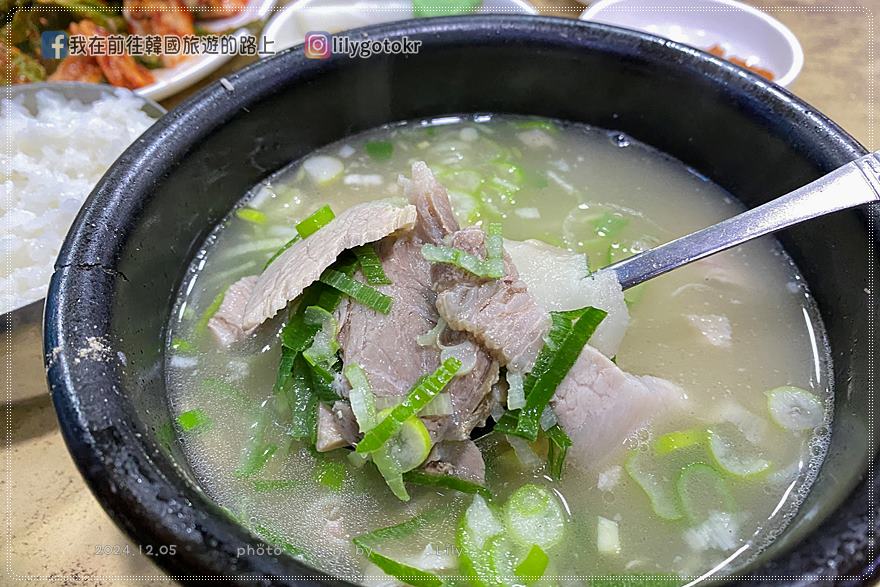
{"x": 125, "y": 256}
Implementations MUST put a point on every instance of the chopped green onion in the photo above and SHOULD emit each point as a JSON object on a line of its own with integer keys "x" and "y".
{"x": 560, "y": 328}
{"x": 418, "y": 477}
{"x": 562, "y": 361}
{"x": 410, "y": 446}
{"x": 315, "y": 221}
{"x": 193, "y": 421}
{"x": 212, "y": 308}
{"x": 702, "y": 490}
{"x": 252, "y": 215}
{"x": 330, "y": 474}
{"x": 610, "y": 224}
{"x": 795, "y": 409}
{"x": 297, "y": 335}
{"x": 534, "y": 516}
{"x": 479, "y": 525}
{"x": 733, "y": 453}
{"x": 322, "y": 352}
{"x": 673, "y": 441}
{"x": 533, "y": 566}
{"x": 462, "y": 260}
{"x": 256, "y": 460}
{"x": 266, "y": 485}
{"x": 490, "y": 268}
{"x": 379, "y": 150}
{"x": 371, "y": 265}
{"x": 557, "y": 449}
{"x": 417, "y": 398}
{"x": 276, "y": 539}
{"x": 303, "y": 403}
{"x": 356, "y": 290}
{"x": 367, "y": 543}
{"x": 181, "y": 345}
{"x": 654, "y": 480}
{"x": 304, "y": 229}
{"x": 363, "y": 405}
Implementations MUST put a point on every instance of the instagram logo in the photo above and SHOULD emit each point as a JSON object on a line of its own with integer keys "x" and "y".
{"x": 317, "y": 45}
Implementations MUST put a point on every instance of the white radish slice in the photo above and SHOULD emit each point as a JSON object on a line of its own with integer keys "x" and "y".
{"x": 323, "y": 169}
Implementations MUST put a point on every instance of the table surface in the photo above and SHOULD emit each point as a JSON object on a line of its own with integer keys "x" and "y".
{"x": 56, "y": 523}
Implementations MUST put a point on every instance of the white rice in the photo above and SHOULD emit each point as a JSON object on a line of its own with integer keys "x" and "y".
{"x": 47, "y": 169}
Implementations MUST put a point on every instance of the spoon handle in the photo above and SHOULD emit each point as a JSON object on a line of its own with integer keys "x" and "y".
{"x": 854, "y": 184}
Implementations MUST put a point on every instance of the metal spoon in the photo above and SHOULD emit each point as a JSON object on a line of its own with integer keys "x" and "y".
{"x": 854, "y": 184}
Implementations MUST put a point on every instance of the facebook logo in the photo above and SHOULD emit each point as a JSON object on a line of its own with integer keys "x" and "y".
{"x": 54, "y": 44}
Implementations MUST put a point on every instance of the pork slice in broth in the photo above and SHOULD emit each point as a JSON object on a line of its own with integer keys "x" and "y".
{"x": 303, "y": 263}
{"x": 226, "y": 324}
{"x": 599, "y": 405}
{"x": 386, "y": 345}
{"x": 459, "y": 458}
{"x": 500, "y": 314}
{"x": 337, "y": 426}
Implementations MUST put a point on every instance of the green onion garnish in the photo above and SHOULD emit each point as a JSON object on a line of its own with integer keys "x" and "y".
{"x": 462, "y": 260}
{"x": 418, "y": 477}
{"x": 558, "y": 444}
{"x": 490, "y": 268}
{"x": 379, "y": 150}
{"x": 193, "y": 421}
{"x": 252, "y": 215}
{"x": 181, "y": 345}
{"x": 297, "y": 334}
{"x": 315, "y": 221}
{"x": 367, "y": 543}
{"x": 322, "y": 352}
{"x": 357, "y": 291}
{"x": 563, "y": 359}
{"x": 212, "y": 308}
{"x": 276, "y": 539}
{"x": 533, "y": 566}
{"x": 422, "y": 393}
{"x": 330, "y": 474}
{"x": 304, "y": 229}
{"x": 371, "y": 265}
{"x": 303, "y": 403}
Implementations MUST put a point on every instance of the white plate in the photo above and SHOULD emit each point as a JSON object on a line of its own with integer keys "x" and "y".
{"x": 743, "y": 31}
{"x": 289, "y": 27}
{"x": 170, "y": 80}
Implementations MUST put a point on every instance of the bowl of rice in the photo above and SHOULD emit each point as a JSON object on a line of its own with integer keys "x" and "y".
{"x": 57, "y": 141}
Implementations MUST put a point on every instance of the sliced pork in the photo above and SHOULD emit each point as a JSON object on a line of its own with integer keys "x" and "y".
{"x": 337, "y": 426}
{"x": 599, "y": 405}
{"x": 461, "y": 459}
{"x": 303, "y": 263}
{"x": 499, "y": 313}
{"x": 386, "y": 346}
{"x": 226, "y": 323}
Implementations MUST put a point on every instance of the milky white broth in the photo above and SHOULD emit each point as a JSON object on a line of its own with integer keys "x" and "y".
{"x": 726, "y": 330}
